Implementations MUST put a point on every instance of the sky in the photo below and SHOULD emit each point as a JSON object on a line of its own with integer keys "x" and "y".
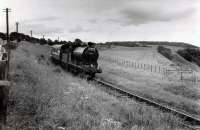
{"x": 106, "y": 20}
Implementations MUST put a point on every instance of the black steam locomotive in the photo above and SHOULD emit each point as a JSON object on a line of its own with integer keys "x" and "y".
{"x": 77, "y": 58}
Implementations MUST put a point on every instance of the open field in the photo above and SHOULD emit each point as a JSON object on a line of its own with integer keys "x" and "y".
{"x": 141, "y": 54}
{"x": 45, "y": 96}
{"x": 161, "y": 87}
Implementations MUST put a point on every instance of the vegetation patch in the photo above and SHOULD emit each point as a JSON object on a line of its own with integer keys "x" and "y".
{"x": 184, "y": 91}
{"x": 166, "y": 52}
{"x": 191, "y": 55}
{"x": 148, "y": 43}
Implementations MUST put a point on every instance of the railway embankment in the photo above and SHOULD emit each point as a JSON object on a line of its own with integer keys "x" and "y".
{"x": 45, "y": 96}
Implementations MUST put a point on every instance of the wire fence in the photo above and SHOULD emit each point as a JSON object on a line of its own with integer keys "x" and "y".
{"x": 135, "y": 64}
{"x": 178, "y": 73}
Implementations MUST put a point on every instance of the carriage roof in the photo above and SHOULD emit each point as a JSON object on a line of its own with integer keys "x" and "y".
{"x": 57, "y": 46}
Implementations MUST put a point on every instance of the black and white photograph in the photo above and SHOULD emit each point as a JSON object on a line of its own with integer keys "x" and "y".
{"x": 99, "y": 65}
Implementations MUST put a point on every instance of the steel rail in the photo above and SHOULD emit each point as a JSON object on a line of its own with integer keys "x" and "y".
{"x": 189, "y": 120}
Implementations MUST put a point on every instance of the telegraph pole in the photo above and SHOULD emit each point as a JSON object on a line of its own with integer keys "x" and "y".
{"x": 17, "y": 25}
{"x": 7, "y": 10}
{"x": 31, "y": 33}
{"x": 5, "y": 88}
{"x": 31, "y": 36}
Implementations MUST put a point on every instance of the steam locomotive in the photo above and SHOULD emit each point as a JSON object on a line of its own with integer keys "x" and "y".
{"x": 77, "y": 58}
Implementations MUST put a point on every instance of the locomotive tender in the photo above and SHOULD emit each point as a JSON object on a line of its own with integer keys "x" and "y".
{"x": 77, "y": 58}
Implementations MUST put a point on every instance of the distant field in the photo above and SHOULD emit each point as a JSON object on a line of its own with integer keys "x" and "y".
{"x": 161, "y": 87}
{"x": 140, "y": 54}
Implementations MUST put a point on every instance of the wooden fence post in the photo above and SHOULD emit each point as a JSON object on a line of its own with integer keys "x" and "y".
{"x": 135, "y": 65}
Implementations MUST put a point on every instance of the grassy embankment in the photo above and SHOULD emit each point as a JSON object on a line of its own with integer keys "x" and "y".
{"x": 152, "y": 85}
{"x": 44, "y": 95}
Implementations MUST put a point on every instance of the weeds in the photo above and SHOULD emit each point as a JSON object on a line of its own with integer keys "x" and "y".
{"x": 184, "y": 91}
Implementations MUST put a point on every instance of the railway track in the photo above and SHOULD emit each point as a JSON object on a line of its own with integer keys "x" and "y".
{"x": 189, "y": 121}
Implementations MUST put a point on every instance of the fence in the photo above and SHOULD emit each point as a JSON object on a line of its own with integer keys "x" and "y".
{"x": 180, "y": 73}
{"x": 135, "y": 65}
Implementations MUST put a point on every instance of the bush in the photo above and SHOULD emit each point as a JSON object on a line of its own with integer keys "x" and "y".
{"x": 185, "y": 55}
{"x": 166, "y": 52}
{"x": 190, "y": 54}
{"x": 43, "y": 41}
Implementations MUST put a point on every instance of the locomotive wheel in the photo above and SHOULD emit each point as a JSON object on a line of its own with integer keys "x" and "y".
{"x": 87, "y": 77}
{"x": 75, "y": 71}
{"x": 90, "y": 76}
{"x": 66, "y": 66}
{"x": 56, "y": 62}
{"x": 82, "y": 75}
{"x": 62, "y": 65}
{"x": 69, "y": 68}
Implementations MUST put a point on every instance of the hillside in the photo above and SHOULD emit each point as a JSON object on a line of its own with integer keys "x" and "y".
{"x": 149, "y": 43}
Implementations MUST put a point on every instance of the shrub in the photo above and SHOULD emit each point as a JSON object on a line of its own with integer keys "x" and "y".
{"x": 166, "y": 52}
{"x": 190, "y": 54}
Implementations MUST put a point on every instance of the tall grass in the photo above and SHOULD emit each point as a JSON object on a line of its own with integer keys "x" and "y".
{"x": 166, "y": 52}
{"x": 44, "y": 97}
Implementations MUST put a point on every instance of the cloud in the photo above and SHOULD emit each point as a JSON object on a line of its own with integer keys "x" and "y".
{"x": 142, "y": 12}
{"x": 93, "y": 20}
{"x": 42, "y": 25}
{"x": 78, "y": 29}
{"x": 42, "y": 19}
{"x": 131, "y": 12}
{"x": 43, "y": 29}
{"x": 50, "y": 18}
{"x": 141, "y": 15}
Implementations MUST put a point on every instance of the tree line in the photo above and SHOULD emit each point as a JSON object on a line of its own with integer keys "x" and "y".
{"x": 15, "y": 36}
{"x": 148, "y": 43}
